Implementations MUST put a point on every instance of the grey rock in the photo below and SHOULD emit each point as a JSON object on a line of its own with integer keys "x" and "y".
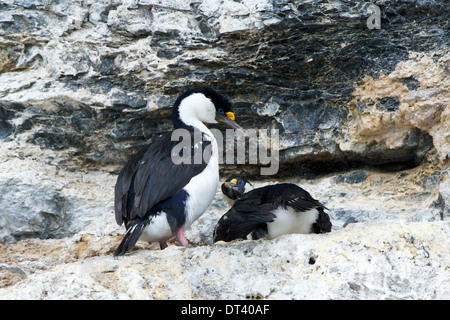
{"x": 30, "y": 212}
{"x": 306, "y": 56}
{"x": 443, "y": 201}
{"x": 353, "y": 177}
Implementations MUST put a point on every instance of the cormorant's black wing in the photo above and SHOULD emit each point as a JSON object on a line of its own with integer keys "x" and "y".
{"x": 291, "y": 195}
{"x": 151, "y": 176}
{"x": 247, "y": 214}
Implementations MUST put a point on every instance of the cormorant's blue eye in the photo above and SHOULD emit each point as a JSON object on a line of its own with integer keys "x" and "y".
{"x": 220, "y": 110}
{"x": 240, "y": 183}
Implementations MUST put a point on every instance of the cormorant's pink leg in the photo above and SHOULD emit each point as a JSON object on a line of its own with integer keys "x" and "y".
{"x": 163, "y": 245}
{"x": 182, "y": 238}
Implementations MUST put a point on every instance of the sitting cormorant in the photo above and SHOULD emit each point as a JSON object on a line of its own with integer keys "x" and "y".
{"x": 269, "y": 212}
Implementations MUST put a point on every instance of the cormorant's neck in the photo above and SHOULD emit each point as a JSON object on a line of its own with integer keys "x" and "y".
{"x": 178, "y": 124}
{"x": 248, "y": 187}
{"x": 190, "y": 123}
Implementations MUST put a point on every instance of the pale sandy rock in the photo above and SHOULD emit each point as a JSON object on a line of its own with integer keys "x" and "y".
{"x": 362, "y": 261}
{"x": 425, "y": 107}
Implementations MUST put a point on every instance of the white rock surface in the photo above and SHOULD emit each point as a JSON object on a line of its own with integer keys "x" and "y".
{"x": 362, "y": 261}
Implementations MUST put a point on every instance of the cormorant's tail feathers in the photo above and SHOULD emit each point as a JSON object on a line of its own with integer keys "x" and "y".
{"x": 130, "y": 239}
{"x": 323, "y": 222}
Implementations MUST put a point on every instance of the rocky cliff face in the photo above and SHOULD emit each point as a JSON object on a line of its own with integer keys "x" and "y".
{"x": 363, "y": 116}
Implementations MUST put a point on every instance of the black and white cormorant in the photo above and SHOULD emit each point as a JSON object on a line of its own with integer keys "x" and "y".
{"x": 269, "y": 212}
{"x": 157, "y": 198}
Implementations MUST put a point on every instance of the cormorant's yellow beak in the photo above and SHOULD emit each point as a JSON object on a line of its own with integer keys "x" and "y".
{"x": 230, "y": 184}
{"x": 228, "y": 119}
{"x": 230, "y": 116}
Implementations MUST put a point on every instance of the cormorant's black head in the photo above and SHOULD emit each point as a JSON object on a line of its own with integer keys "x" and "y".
{"x": 203, "y": 104}
{"x": 235, "y": 187}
